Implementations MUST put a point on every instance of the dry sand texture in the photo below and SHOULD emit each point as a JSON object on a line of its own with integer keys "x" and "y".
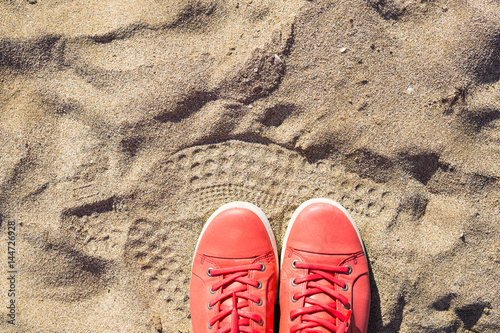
{"x": 124, "y": 124}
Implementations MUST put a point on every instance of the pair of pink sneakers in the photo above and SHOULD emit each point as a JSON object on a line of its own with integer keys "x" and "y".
{"x": 324, "y": 283}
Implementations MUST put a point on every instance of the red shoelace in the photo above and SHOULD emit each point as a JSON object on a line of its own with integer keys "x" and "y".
{"x": 309, "y": 322}
{"x": 240, "y": 319}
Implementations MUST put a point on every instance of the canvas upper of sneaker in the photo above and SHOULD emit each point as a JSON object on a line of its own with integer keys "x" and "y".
{"x": 324, "y": 284}
{"x": 234, "y": 273}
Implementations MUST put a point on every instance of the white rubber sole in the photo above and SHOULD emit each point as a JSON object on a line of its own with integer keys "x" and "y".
{"x": 254, "y": 209}
{"x": 302, "y": 207}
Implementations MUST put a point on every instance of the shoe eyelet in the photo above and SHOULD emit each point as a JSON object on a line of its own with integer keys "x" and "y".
{"x": 347, "y": 307}
{"x": 293, "y": 299}
{"x": 260, "y": 302}
{"x": 293, "y": 283}
{"x": 210, "y": 307}
{"x": 208, "y": 272}
{"x": 261, "y": 322}
{"x": 212, "y": 291}
{"x": 262, "y": 267}
{"x": 349, "y": 270}
{"x": 259, "y": 285}
{"x": 346, "y": 288}
{"x": 293, "y": 264}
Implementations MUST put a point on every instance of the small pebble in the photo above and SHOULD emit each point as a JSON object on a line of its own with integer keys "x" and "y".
{"x": 343, "y": 50}
{"x": 277, "y": 60}
{"x": 409, "y": 90}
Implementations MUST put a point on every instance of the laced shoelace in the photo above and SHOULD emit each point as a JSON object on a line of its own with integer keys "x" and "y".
{"x": 309, "y": 322}
{"x": 239, "y": 319}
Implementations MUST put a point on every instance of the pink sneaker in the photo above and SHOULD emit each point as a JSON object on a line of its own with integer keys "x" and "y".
{"x": 234, "y": 273}
{"x": 324, "y": 285}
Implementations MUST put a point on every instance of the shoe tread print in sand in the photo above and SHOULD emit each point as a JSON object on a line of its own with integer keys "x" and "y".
{"x": 187, "y": 186}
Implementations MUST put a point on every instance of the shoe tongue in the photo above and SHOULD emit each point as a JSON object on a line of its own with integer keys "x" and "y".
{"x": 226, "y": 263}
{"x": 323, "y": 298}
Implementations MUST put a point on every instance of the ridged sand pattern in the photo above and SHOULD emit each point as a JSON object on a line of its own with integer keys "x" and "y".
{"x": 272, "y": 177}
{"x": 195, "y": 181}
{"x": 156, "y": 249}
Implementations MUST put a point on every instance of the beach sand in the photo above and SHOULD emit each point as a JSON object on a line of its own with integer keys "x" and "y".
{"x": 124, "y": 125}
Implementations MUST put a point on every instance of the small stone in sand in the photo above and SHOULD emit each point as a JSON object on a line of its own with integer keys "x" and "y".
{"x": 276, "y": 60}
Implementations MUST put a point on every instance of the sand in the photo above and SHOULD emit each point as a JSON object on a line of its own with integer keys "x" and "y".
{"x": 124, "y": 125}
